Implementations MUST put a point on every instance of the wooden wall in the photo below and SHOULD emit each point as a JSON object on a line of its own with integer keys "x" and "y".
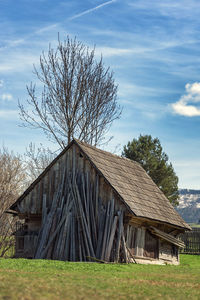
{"x": 168, "y": 252}
{"x": 143, "y": 244}
{"x": 72, "y": 160}
{"x": 41, "y": 196}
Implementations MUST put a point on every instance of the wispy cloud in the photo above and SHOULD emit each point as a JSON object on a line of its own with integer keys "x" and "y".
{"x": 150, "y": 47}
{"x": 9, "y": 114}
{"x": 91, "y": 10}
{"x": 1, "y": 83}
{"x": 46, "y": 28}
{"x": 12, "y": 43}
{"x": 28, "y": 38}
{"x": 128, "y": 89}
{"x": 176, "y": 9}
{"x": 6, "y": 97}
{"x": 187, "y": 164}
{"x": 18, "y": 62}
{"x": 112, "y": 51}
{"x": 192, "y": 96}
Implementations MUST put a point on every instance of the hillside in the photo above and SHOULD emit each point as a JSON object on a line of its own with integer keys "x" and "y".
{"x": 189, "y": 205}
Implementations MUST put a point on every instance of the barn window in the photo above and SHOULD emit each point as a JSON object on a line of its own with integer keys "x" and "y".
{"x": 150, "y": 245}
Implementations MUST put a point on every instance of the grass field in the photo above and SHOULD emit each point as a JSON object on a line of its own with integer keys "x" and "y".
{"x": 42, "y": 279}
{"x": 194, "y": 225}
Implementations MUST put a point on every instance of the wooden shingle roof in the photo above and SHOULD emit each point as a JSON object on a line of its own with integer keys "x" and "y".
{"x": 131, "y": 182}
{"x": 134, "y": 186}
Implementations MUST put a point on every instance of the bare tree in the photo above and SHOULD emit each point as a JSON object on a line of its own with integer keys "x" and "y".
{"x": 78, "y": 99}
{"x": 12, "y": 175}
{"x": 36, "y": 160}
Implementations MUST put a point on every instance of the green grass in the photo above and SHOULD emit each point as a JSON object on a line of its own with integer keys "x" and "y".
{"x": 194, "y": 225}
{"x": 11, "y": 249}
{"x": 42, "y": 279}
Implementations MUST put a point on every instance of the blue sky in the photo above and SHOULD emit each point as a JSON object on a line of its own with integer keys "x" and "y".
{"x": 152, "y": 46}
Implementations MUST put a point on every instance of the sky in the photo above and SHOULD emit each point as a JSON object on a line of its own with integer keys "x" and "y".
{"x": 153, "y": 48}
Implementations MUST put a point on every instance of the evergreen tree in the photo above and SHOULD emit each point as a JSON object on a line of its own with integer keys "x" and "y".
{"x": 149, "y": 153}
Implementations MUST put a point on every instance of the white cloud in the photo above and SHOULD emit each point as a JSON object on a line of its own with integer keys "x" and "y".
{"x": 193, "y": 89}
{"x": 91, "y": 10}
{"x": 15, "y": 43}
{"x": 174, "y": 9}
{"x": 115, "y": 51}
{"x": 150, "y": 48}
{"x": 1, "y": 83}
{"x": 19, "y": 62}
{"x": 9, "y": 114}
{"x": 6, "y": 97}
{"x": 127, "y": 89}
{"x": 46, "y": 28}
{"x": 184, "y": 105}
{"x": 111, "y": 51}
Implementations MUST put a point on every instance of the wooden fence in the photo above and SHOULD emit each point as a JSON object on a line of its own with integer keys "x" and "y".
{"x": 192, "y": 241}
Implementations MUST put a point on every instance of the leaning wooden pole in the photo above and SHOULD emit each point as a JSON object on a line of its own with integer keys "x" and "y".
{"x": 79, "y": 225}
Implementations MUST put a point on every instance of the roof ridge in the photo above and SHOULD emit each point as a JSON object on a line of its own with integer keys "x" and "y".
{"x": 106, "y": 152}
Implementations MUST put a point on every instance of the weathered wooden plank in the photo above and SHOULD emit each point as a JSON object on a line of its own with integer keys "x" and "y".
{"x": 140, "y": 239}
{"x": 46, "y": 228}
{"x": 119, "y": 234}
{"x": 74, "y": 161}
{"x": 110, "y": 243}
{"x": 80, "y": 212}
{"x": 110, "y": 222}
{"x": 92, "y": 231}
{"x": 79, "y": 242}
{"x": 83, "y": 220}
{"x": 96, "y": 198}
{"x": 67, "y": 243}
{"x": 105, "y": 232}
{"x": 137, "y": 242}
{"x": 56, "y": 231}
{"x": 85, "y": 202}
{"x": 125, "y": 257}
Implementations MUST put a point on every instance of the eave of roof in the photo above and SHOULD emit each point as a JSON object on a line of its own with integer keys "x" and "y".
{"x": 167, "y": 237}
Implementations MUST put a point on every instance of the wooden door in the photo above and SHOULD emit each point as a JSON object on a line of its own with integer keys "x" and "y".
{"x": 150, "y": 245}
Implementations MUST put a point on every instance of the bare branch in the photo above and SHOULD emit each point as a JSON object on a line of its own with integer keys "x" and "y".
{"x": 36, "y": 160}
{"x": 78, "y": 99}
{"x": 12, "y": 176}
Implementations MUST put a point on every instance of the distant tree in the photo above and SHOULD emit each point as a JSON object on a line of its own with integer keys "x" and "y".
{"x": 78, "y": 99}
{"x": 149, "y": 153}
{"x": 12, "y": 176}
{"x": 36, "y": 159}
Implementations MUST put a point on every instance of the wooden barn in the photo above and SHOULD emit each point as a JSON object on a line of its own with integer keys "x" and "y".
{"x": 91, "y": 205}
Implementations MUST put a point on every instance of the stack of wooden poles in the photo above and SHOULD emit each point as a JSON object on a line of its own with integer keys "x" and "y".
{"x": 79, "y": 226}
